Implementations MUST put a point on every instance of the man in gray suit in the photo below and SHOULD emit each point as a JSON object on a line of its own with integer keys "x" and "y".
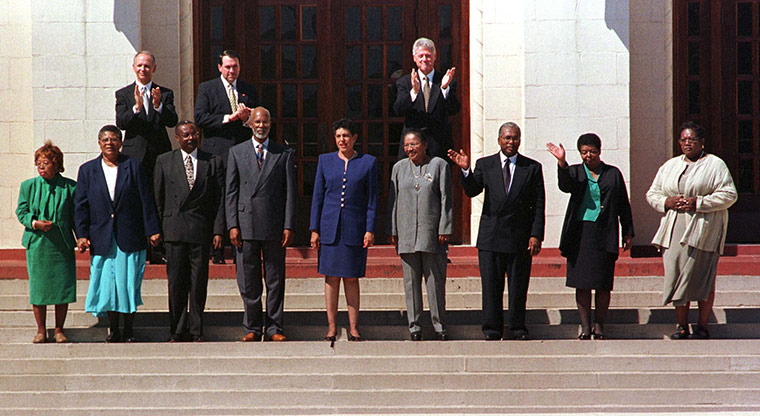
{"x": 260, "y": 202}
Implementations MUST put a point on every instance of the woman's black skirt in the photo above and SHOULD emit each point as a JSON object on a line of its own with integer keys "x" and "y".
{"x": 592, "y": 268}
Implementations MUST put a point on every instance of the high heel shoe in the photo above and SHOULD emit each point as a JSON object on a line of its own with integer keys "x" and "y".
{"x": 353, "y": 338}
{"x": 584, "y": 337}
{"x": 331, "y": 338}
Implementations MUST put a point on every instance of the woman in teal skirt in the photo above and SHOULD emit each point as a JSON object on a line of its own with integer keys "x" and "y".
{"x": 115, "y": 217}
{"x": 46, "y": 209}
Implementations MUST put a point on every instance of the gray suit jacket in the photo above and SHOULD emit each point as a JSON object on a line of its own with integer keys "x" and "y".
{"x": 419, "y": 216}
{"x": 260, "y": 202}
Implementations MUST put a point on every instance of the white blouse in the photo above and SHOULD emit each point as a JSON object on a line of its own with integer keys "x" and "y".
{"x": 110, "y": 173}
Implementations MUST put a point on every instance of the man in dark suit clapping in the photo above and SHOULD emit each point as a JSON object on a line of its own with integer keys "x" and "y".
{"x": 189, "y": 191}
{"x": 511, "y": 228}
{"x": 222, "y": 109}
{"x": 426, "y": 99}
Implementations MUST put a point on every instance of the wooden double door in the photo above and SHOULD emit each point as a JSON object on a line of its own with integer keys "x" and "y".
{"x": 317, "y": 61}
{"x": 717, "y": 83}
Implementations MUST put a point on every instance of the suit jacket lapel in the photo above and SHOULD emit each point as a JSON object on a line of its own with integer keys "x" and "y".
{"x": 272, "y": 155}
{"x": 121, "y": 177}
{"x": 178, "y": 168}
{"x": 99, "y": 179}
{"x": 518, "y": 179}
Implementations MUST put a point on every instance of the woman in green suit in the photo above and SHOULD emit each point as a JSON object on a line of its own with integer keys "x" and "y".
{"x": 46, "y": 209}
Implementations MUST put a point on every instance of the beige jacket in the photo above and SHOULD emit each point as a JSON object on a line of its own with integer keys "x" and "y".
{"x": 711, "y": 182}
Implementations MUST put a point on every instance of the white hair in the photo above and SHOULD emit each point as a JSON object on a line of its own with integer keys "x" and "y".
{"x": 423, "y": 43}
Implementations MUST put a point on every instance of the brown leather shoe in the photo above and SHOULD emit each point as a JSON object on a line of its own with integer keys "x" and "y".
{"x": 278, "y": 338}
{"x": 60, "y": 338}
{"x": 39, "y": 338}
{"x": 251, "y": 337}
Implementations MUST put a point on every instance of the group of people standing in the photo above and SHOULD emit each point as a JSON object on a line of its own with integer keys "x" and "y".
{"x": 238, "y": 185}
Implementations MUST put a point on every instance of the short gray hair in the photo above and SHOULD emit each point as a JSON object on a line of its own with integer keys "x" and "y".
{"x": 423, "y": 43}
{"x": 512, "y": 125}
{"x": 145, "y": 52}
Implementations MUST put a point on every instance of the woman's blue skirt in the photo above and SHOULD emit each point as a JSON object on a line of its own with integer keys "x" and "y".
{"x": 115, "y": 281}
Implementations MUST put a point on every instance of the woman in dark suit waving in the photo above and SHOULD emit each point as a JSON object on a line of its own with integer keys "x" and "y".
{"x": 590, "y": 234}
{"x": 343, "y": 215}
{"x": 114, "y": 212}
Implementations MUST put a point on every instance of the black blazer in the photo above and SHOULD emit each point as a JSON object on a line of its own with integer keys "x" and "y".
{"x": 211, "y": 106}
{"x": 261, "y": 202}
{"x": 130, "y": 218}
{"x": 189, "y": 216}
{"x": 508, "y": 221}
{"x": 435, "y": 120}
{"x": 614, "y": 207}
{"x": 145, "y": 135}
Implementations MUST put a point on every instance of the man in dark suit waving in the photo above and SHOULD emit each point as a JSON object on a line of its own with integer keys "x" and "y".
{"x": 144, "y": 110}
{"x": 426, "y": 99}
{"x": 261, "y": 215}
{"x": 189, "y": 191}
{"x": 511, "y": 228}
{"x": 222, "y": 109}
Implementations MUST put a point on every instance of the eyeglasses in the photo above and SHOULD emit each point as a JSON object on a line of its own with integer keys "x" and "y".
{"x": 688, "y": 140}
{"x": 43, "y": 163}
{"x": 107, "y": 140}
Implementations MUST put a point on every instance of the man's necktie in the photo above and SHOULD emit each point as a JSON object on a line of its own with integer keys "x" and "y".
{"x": 505, "y": 175}
{"x": 189, "y": 171}
{"x": 426, "y": 90}
{"x": 260, "y": 154}
{"x": 146, "y": 99}
{"x": 233, "y": 100}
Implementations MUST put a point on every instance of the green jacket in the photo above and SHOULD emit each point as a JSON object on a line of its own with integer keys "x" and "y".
{"x": 34, "y": 204}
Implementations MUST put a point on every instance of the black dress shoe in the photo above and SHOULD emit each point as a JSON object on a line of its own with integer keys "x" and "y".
{"x": 416, "y": 336}
{"x": 196, "y": 338}
{"x": 113, "y": 337}
{"x": 175, "y": 338}
{"x": 493, "y": 337}
{"x": 681, "y": 333}
{"x": 218, "y": 261}
{"x": 443, "y": 336}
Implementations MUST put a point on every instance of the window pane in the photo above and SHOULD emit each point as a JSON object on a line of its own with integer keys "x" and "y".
{"x": 309, "y": 173}
{"x": 288, "y": 61}
{"x": 374, "y": 23}
{"x": 444, "y": 57}
{"x": 744, "y": 136}
{"x": 375, "y": 136}
{"x": 391, "y": 98}
{"x": 354, "y": 101}
{"x": 216, "y": 50}
{"x": 217, "y": 23}
{"x": 693, "y": 58}
{"x": 394, "y": 137}
{"x": 374, "y": 101}
{"x": 746, "y": 177}
{"x": 395, "y": 23}
{"x": 744, "y": 58}
{"x": 353, "y": 24}
{"x": 445, "y": 14}
{"x": 693, "y": 97}
{"x": 268, "y": 60}
{"x": 393, "y": 58}
{"x": 308, "y": 61}
{"x": 744, "y": 97}
{"x": 309, "y": 23}
{"x": 289, "y": 101}
{"x": 269, "y": 98}
{"x": 309, "y": 104}
{"x": 375, "y": 61}
{"x": 289, "y": 133}
{"x": 744, "y": 19}
{"x": 693, "y": 19}
{"x": 310, "y": 141}
{"x": 288, "y": 23}
{"x": 354, "y": 62}
{"x": 266, "y": 23}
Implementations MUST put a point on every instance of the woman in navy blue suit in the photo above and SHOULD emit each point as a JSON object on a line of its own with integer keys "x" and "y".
{"x": 343, "y": 215}
{"x": 114, "y": 212}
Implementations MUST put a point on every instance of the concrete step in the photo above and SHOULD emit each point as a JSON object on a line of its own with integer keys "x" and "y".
{"x": 567, "y": 376}
{"x": 471, "y": 331}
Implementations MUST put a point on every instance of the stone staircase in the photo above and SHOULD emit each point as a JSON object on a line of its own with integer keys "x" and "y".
{"x": 638, "y": 370}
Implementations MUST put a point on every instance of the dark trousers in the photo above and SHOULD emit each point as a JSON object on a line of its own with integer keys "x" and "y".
{"x": 187, "y": 272}
{"x": 493, "y": 266}
{"x": 250, "y": 274}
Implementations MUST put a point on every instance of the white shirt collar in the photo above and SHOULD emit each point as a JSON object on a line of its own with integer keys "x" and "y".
{"x": 256, "y": 143}
{"x": 503, "y": 157}
{"x": 193, "y": 154}
{"x": 227, "y": 84}
{"x": 429, "y": 76}
{"x": 149, "y": 85}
